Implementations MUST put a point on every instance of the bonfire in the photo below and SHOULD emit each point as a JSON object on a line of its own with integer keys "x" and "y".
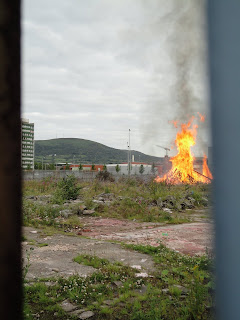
{"x": 182, "y": 170}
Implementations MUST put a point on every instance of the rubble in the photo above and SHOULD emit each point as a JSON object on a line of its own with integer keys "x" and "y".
{"x": 88, "y": 212}
{"x": 66, "y": 213}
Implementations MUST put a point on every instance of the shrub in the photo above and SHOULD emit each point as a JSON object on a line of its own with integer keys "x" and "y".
{"x": 67, "y": 189}
{"x": 105, "y": 176}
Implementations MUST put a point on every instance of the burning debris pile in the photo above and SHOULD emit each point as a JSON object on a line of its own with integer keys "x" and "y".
{"x": 182, "y": 170}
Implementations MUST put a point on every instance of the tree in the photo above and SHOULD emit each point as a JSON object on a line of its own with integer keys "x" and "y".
{"x": 93, "y": 167}
{"x": 51, "y": 166}
{"x": 117, "y": 168}
{"x": 104, "y": 167}
{"x": 37, "y": 165}
{"x": 67, "y": 167}
{"x": 141, "y": 169}
{"x": 153, "y": 168}
{"x": 80, "y": 167}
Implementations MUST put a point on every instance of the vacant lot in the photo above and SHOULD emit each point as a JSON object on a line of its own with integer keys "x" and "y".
{"x": 117, "y": 250}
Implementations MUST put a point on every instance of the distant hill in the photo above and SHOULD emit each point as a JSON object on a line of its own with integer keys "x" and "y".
{"x": 84, "y": 151}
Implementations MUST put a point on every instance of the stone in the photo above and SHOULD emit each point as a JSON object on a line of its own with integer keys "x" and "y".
{"x": 107, "y": 202}
{"x": 166, "y": 290}
{"x": 81, "y": 208}
{"x": 167, "y": 210}
{"x": 141, "y": 290}
{"x": 49, "y": 284}
{"x": 44, "y": 198}
{"x": 118, "y": 284}
{"x": 169, "y": 201}
{"x": 183, "y": 289}
{"x": 204, "y": 201}
{"x": 98, "y": 201}
{"x": 186, "y": 204}
{"x": 86, "y": 315}
{"x": 68, "y": 306}
{"x": 159, "y": 202}
{"x": 136, "y": 267}
{"x": 77, "y": 201}
{"x": 77, "y": 312}
{"x": 88, "y": 212}
{"x": 178, "y": 206}
{"x": 105, "y": 196}
{"x": 108, "y": 302}
{"x": 65, "y": 213}
{"x": 192, "y": 200}
{"x": 66, "y": 204}
{"x": 31, "y": 197}
{"x": 141, "y": 275}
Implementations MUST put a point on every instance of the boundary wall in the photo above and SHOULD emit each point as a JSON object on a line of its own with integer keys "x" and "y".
{"x": 83, "y": 175}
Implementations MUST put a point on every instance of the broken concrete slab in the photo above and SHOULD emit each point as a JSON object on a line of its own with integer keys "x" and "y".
{"x": 62, "y": 249}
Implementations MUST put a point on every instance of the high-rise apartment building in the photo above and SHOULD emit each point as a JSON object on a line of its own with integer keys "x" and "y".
{"x": 27, "y": 144}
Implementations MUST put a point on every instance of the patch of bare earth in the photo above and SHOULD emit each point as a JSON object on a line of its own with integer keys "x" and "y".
{"x": 188, "y": 238}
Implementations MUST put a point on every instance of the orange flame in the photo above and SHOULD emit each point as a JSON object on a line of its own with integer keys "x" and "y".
{"x": 174, "y": 122}
{"x": 201, "y": 116}
{"x": 206, "y": 171}
{"x": 182, "y": 164}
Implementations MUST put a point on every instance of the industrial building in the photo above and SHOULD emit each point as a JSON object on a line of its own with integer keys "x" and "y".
{"x": 27, "y": 147}
{"x": 135, "y": 167}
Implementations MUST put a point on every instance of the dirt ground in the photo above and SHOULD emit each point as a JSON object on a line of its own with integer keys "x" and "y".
{"x": 188, "y": 238}
{"x": 53, "y": 255}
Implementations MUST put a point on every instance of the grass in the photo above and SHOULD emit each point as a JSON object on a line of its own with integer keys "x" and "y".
{"x": 173, "y": 271}
{"x": 131, "y": 199}
{"x": 92, "y": 261}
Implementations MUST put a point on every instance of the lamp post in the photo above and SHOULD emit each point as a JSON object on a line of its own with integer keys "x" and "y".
{"x": 129, "y": 151}
{"x": 55, "y": 161}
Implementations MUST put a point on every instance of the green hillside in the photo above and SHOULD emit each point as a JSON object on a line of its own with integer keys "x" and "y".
{"x": 83, "y": 151}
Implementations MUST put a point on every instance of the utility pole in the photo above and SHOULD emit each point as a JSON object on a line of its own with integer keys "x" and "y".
{"x": 129, "y": 168}
{"x": 128, "y": 156}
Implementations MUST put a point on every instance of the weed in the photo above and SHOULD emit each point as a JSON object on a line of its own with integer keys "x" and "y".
{"x": 73, "y": 221}
{"x": 27, "y": 265}
{"x": 105, "y": 176}
{"x": 35, "y": 214}
{"x": 92, "y": 261}
{"x": 40, "y": 245}
{"x": 89, "y": 203}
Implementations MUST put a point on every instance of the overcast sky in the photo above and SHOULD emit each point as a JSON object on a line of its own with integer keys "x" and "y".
{"x": 95, "y": 69}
